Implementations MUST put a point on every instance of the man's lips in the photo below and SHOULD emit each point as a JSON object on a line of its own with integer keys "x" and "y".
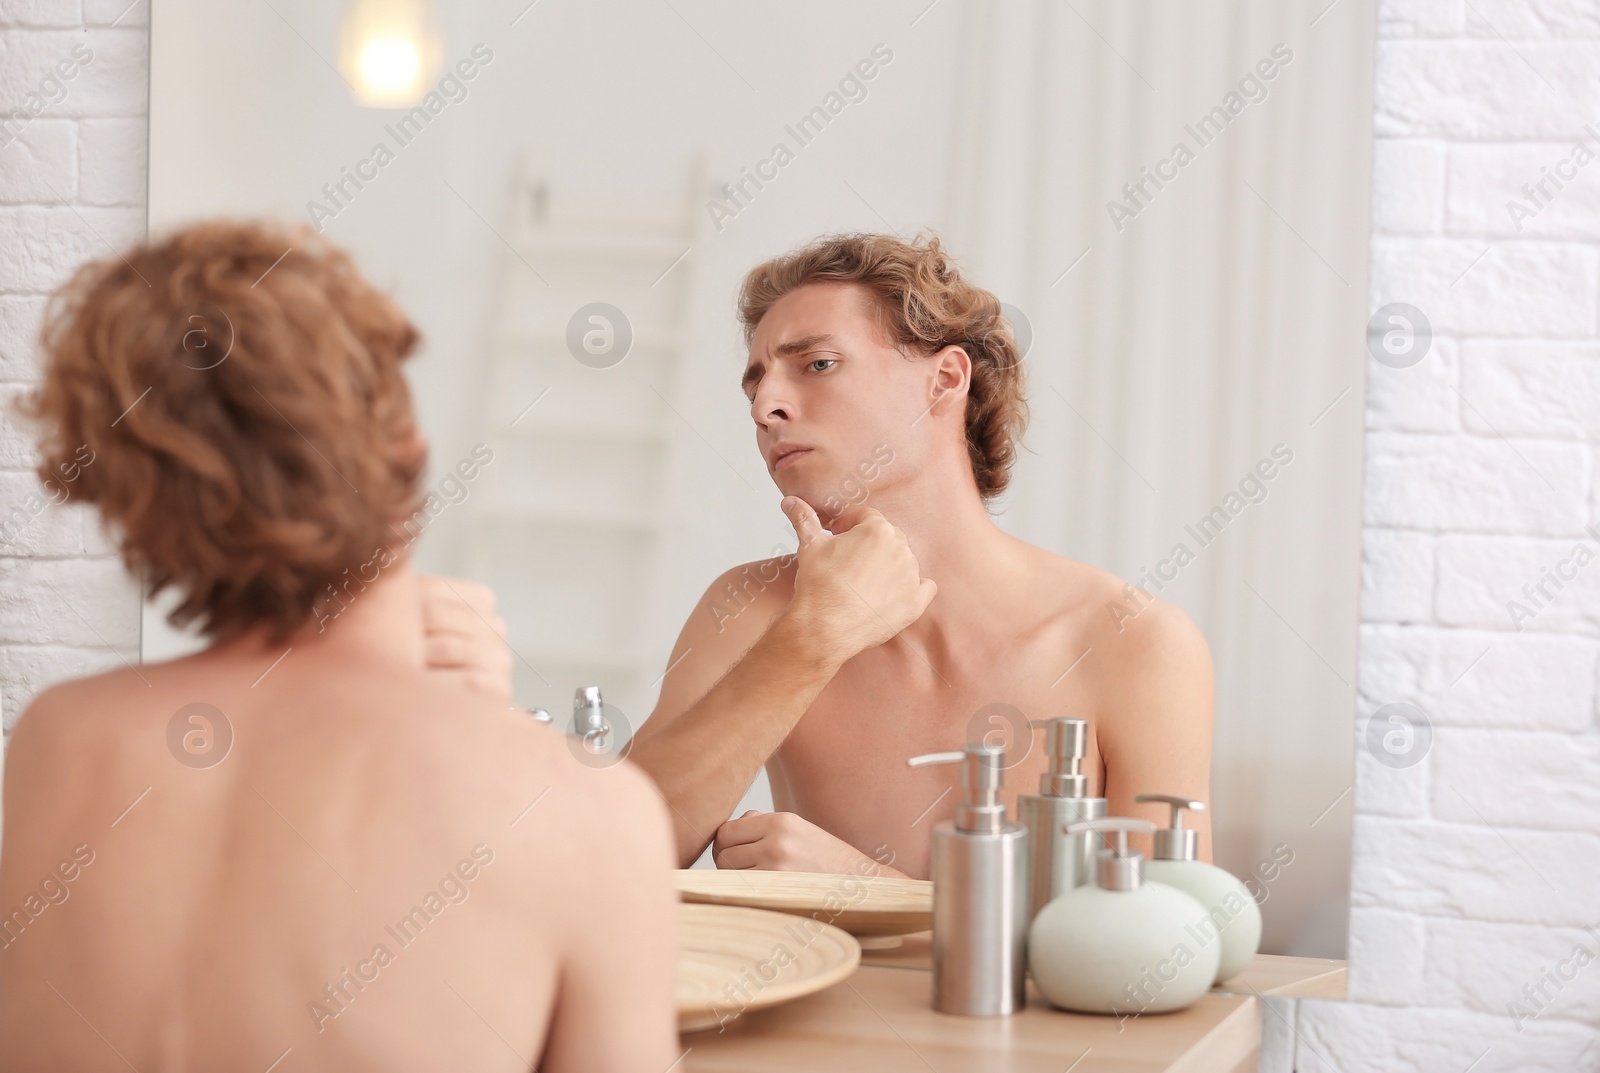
{"x": 787, "y": 453}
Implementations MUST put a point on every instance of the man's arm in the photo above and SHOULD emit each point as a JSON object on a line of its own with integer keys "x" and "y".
{"x": 615, "y": 1007}
{"x": 704, "y": 745}
{"x": 1155, "y": 721}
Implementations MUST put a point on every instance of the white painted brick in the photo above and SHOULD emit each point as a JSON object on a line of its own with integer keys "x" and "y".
{"x": 1479, "y": 90}
{"x": 1533, "y": 20}
{"x": 1407, "y": 185}
{"x": 1396, "y": 576}
{"x": 96, "y": 541}
{"x": 81, "y": 602}
{"x": 1473, "y": 678}
{"x": 1530, "y": 388}
{"x": 116, "y": 12}
{"x": 1465, "y": 870}
{"x": 1419, "y": 398}
{"x": 17, "y": 446}
{"x": 113, "y": 82}
{"x": 1346, "y": 1037}
{"x": 30, "y": 524}
{"x": 1386, "y": 957}
{"x": 1480, "y": 576}
{"x": 1399, "y": 793}
{"x": 40, "y": 247}
{"x": 41, "y": 163}
{"x": 1513, "y": 970}
{"x": 1519, "y": 288}
{"x": 1476, "y": 483}
{"x": 40, "y": 13}
{"x": 1484, "y": 179}
{"x": 112, "y": 156}
{"x": 20, "y": 316}
{"x": 1518, "y": 780}
{"x": 28, "y": 670}
{"x": 1419, "y": 18}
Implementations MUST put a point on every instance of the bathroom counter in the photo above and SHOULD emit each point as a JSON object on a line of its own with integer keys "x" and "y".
{"x": 880, "y": 1019}
{"x": 1267, "y": 974}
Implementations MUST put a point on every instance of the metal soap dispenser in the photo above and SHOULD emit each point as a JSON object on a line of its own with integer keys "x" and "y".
{"x": 980, "y": 877}
{"x": 1058, "y": 861}
{"x": 1233, "y": 917}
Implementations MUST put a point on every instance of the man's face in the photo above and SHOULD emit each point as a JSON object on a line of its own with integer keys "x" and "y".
{"x": 830, "y": 396}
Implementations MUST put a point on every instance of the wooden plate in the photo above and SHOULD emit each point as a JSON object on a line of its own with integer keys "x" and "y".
{"x": 861, "y": 905}
{"x": 732, "y": 959}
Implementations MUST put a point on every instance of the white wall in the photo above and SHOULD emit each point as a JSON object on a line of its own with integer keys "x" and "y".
{"x": 1451, "y": 919}
{"x": 1476, "y": 870}
{"x": 72, "y": 187}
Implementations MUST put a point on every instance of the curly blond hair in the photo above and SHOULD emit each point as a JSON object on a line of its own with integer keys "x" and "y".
{"x": 253, "y": 438}
{"x": 923, "y": 305}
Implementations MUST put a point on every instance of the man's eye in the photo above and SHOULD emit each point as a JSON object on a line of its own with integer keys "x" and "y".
{"x": 814, "y": 362}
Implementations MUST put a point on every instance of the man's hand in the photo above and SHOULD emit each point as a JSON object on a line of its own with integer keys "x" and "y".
{"x": 784, "y": 841}
{"x": 464, "y": 636}
{"x": 857, "y": 589}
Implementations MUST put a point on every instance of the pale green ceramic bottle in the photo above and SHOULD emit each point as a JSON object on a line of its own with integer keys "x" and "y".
{"x": 1118, "y": 944}
{"x": 1231, "y": 919}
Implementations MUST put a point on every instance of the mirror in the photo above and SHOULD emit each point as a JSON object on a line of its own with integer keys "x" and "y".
{"x": 1170, "y": 201}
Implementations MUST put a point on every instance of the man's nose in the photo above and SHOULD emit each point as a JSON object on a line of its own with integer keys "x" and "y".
{"x": 770, "y": 403}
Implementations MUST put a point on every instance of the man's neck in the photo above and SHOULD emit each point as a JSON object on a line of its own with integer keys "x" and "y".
{"x": 959, "y": 547}
{"x": 381, "y": 618}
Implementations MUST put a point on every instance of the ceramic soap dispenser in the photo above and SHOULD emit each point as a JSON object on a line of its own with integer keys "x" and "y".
{"x": 980, "y": 876}
{"x": 1057, "y": 862}
{"x": 1120, "y": 944}
{"x": 1232, "y": 918}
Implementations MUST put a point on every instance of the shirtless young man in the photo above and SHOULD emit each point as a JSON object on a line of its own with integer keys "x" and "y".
{"x": 312, "y": 846}
{"x": 873, "y": 366}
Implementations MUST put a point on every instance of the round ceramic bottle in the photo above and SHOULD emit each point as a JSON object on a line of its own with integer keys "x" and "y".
{"x": 1232, "y": 919}
{"x": 1119, "y": 944}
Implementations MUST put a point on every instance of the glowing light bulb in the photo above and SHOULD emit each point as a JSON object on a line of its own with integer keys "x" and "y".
{"x": 389, "y": 51}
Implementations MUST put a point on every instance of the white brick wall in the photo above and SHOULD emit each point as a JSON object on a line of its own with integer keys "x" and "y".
{"x": 72, "y": 187}
{"x": 1475, "y": 871}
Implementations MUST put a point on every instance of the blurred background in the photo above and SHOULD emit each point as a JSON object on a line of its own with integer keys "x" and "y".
{"x": 1179, "y": 236}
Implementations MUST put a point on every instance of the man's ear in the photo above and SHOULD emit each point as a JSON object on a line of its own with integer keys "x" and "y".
{"x": 952, "y": 376}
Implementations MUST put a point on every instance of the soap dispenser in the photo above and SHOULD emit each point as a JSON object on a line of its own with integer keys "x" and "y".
{"x": 1232, "y": 918}
{"x": 1057, "y": 862}
{"x": 1120, "y": 944}
{"x": 589, "y": 719}
{"x": 980, "y": 865}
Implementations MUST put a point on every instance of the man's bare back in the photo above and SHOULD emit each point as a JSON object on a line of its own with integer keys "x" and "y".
{"x": 382, "y": 872}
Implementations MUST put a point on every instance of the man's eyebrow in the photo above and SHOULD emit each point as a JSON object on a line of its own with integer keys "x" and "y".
{"x": 804, "y": 343}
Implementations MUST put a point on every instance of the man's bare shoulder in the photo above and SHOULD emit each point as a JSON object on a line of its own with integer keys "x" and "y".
{"x": 1126, "y": 625}
{"x": 745, "y": 598}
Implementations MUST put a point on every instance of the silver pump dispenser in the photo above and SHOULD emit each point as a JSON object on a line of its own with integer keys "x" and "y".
{"x": 1058, "y": 863}
{"x": 979, "y": 874}
{"x": 1118, "y": 868}
{"x": 1065, "y": 742}
{"x": 1175, "y": 843}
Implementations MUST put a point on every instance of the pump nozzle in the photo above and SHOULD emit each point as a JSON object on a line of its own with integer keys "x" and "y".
{"x": 1175, "y": 843}
{"x": 1119, "y": 869}
{"x": 982, "y": 770}
{"x": 1066, "y": 741}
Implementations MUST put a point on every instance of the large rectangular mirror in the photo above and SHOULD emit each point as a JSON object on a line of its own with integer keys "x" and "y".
{"x": 1171, "y": 199}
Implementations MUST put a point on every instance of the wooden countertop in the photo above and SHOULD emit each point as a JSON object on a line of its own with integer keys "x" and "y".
{"x": 881, "y": 1019}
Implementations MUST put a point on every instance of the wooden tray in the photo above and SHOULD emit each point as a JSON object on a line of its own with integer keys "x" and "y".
{"x": 861, "y": 905}
{"x": 732, "y": 959}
